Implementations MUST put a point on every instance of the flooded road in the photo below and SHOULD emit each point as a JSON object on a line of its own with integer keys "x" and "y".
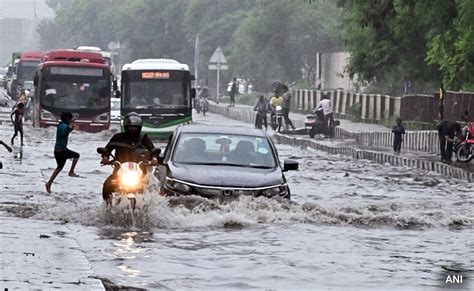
{"x": 352, "y": 224}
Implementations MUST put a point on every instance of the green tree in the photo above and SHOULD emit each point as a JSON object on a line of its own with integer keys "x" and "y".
{"x": 279, "y": 38}
{"x": 452, "y": 50}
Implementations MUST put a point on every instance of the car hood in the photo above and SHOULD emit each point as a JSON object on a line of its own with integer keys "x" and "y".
{"x": 225, "y": 176}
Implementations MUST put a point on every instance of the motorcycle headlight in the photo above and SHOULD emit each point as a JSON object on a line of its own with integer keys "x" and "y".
{"x": 130, "y": 179}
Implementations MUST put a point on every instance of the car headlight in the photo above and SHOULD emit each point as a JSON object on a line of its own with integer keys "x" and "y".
{"x": 181, "y": 187}
{"x": 281, "y": 190}
{"x": 104, "y": 117}
{"x": 175, "y": 185}
{"x": 46, "y": 115}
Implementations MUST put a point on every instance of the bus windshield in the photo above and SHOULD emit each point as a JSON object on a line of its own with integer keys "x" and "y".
{"x": 26, "y": 70}
{"x": 64, "y": 92}
{"x": 147, "y": 93}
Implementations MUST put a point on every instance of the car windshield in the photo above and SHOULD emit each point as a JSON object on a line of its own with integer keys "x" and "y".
{"x": 229, "y": 150}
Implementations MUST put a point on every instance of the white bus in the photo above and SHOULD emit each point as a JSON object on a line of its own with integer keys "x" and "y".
{"x": 159, "y": 90}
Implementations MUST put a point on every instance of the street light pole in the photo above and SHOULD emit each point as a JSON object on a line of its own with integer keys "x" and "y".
{"x": 218, "y": 83}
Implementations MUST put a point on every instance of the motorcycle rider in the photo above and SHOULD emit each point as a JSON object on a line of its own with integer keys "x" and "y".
{"x": 277, "y": 100}
{"x": 448, "y": 132}
{"x": 203, "y": 99}
{"x": 204, "y": 93}
{"x": 125, "y": 145}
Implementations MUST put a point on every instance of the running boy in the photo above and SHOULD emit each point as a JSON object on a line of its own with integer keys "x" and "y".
{"x": 61, "y": 152}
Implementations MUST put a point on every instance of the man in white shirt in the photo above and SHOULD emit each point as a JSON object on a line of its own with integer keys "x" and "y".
{"x": 326, "y": 105}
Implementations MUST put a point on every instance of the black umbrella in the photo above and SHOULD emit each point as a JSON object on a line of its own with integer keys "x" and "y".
{"x": 276, "y": 85}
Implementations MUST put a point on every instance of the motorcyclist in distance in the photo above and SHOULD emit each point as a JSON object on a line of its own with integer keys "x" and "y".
{"x": 204, "y": 93}
{"x": 126, "y": 145}
{"x": 277, "y": 100}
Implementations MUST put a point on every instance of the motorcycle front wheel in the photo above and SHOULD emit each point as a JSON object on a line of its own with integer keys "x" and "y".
{"x": 464, "y": 153}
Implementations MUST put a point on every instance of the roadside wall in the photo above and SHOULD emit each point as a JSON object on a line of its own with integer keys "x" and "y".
{"x": 425, "y": 141}
{"x": 374, "y": 108}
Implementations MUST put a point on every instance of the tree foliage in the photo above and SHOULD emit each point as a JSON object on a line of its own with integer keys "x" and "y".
{"x": 262, "y": 39}
{"x": 418, "y": 40}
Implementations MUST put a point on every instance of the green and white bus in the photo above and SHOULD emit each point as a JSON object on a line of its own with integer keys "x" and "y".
{"x": 159, "y": 90}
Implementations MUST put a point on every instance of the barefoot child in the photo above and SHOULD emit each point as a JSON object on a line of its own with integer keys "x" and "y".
{"x": 61, "y": 152}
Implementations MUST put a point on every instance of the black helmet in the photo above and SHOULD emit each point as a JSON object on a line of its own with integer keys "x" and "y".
{"x": 132, "y": 119}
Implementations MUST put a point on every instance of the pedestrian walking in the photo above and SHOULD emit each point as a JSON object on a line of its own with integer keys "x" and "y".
{"x": 448, "y": 131}
{"x": 286, "y": 107}
{"x": 398, "y": 131}
{"x": 18, "y": 122}
{"x": 262, "y": 110}
{"x": 61, "y": 151}
{"x": 233, "y": 92}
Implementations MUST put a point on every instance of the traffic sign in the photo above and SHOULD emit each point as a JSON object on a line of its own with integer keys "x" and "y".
{"x": 218, "y": 57}
{"x": 217, "y": 66}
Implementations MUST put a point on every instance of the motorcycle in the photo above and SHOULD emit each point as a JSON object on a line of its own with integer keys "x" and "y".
{"x": 465, "y": 149}
{"x": 277, "y": 118}
{"x": 204, "y": 105}
{"x": 132, "y": 178}
{"x": 314, "y": 123}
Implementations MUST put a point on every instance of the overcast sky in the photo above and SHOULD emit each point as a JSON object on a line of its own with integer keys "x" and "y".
{"x": 24, "y": 9}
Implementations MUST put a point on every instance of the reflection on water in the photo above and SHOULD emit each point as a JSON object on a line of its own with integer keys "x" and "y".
{"x": 129, "y": 271}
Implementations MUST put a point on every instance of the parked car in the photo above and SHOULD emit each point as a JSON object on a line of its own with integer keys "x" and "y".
{"x": 221, "y": 161}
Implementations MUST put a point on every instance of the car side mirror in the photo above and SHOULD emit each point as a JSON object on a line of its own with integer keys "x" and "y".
{"x": 193, "y": 93}
{"x": 290, "y": 165}
{"x": 102, "y": 151}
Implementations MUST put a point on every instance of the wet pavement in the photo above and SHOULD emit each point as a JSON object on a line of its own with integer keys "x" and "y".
{"x": 352, "y": 224}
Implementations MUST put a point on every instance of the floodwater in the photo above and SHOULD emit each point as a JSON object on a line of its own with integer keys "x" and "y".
{"x": 351, "y": 225}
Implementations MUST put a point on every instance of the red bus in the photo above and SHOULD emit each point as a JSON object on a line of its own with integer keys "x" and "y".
{"x": 73, "y": 81}
{"x": 24, "y": 70}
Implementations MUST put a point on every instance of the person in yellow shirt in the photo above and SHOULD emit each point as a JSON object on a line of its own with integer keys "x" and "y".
{"x": 277, "y": 100}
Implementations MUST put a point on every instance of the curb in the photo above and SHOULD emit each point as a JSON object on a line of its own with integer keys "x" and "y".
{"x": 379, "y": 157}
